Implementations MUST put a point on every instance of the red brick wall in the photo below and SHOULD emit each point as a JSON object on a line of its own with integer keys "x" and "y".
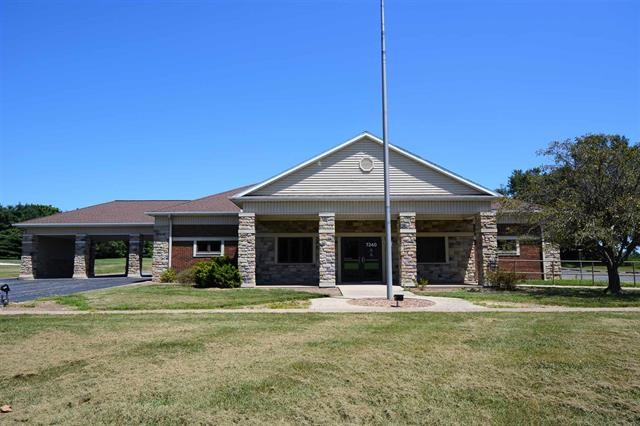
{"x": 182, "y": 254}
{"x": 205, "y": 230}
{"x": 529, "y": 250}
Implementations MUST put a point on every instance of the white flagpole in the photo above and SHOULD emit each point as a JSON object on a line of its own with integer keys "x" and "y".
{"x": 387, "y": 197}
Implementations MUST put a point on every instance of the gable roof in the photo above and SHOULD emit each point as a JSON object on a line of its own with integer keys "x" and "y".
{"x": 211, "y": 204}
{"x": 483, "y": 191}
{"x": 113, "y": 212}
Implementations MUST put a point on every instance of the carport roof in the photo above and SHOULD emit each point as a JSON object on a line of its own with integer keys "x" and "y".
{"x": 216, "y": 203}
{"x": 129, "y": 212}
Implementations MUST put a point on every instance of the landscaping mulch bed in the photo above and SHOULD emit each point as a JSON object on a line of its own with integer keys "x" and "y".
{"x": 384, "y": 303}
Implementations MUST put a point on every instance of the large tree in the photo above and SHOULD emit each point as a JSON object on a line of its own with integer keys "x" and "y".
{"x": 590, "y": 197}
{"x": 518, "y": 182}
{"x": 10, "y": 237}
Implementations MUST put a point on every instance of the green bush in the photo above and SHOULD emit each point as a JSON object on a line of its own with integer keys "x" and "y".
{"x": 219, "y": 272}
{"x": 168, "y": 276}
{"x": 187, "y": 276}
{"x": 504, "y": 280}
{"x": 421, "y": 283}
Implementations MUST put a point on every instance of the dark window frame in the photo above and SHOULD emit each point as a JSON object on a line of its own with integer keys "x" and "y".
{"x": 290, "y": 249}
{"x": 436, "y": 261}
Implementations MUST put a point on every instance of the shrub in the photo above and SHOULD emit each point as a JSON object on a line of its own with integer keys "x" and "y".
{"x": 421, "y": 283}
{"x": 187, "y": 276}
{"x": 504, "y": 280}
{"x": 168, "y": 276}
{"x": 219, "y": 272}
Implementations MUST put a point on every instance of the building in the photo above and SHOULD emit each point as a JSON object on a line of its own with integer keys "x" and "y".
{"x": 320, "y": 223}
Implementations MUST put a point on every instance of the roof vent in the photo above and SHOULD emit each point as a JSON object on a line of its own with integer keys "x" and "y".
{"x": 366, "y": 164}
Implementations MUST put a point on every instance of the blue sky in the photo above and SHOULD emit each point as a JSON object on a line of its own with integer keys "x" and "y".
{"x": 106, "y": 100}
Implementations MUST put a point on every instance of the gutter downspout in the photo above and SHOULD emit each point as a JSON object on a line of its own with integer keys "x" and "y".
{"x": 170, "y": 239}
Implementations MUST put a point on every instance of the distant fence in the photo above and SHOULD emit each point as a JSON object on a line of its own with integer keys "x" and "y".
{"x": 588, "y": 271}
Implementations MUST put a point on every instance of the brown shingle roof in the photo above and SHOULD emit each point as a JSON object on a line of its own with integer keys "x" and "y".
{"x": 118, "y": 211}
{"x": 216, "y": 203}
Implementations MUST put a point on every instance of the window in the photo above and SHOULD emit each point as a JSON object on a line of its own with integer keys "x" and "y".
{"x": 207, "y": 248}
{"x": 508, "y": 246}
{"x": 432, "y": 249}
{"x": 295, "y": 249}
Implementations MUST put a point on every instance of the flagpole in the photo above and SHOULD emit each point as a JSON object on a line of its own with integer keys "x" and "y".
{"x": 387, "y": 197}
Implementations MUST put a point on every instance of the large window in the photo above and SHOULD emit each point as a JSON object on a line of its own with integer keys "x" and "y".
{"x": 432, "y": 249}
{"x": 508, "y": 246}
{"x": 207, "y": 248}
{"x": 295, "y": 249}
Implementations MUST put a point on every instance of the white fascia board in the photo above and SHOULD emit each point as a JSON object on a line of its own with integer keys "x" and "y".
{"x": 64, "y": 225}
{"x": 200, "y": 213}
{"x": 379, "y": 141}
{"x": 372, "y": 198}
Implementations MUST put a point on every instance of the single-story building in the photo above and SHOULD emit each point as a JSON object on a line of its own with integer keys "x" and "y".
{"x": 318, "y": 223}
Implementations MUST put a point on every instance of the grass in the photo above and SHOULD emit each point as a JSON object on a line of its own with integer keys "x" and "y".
{"x": 402, "y": 368}
{"x": 118, "y": 265}
{"x": 9, "y": 271}
{"x": 102, "y": 267}
{"x": 173, "y": 296}
{"x": 542, "y": 296}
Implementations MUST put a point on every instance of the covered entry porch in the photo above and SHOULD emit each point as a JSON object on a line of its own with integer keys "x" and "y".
{"x": 328, "y": 249}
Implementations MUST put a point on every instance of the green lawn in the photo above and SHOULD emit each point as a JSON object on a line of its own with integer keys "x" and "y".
{"x": 402, "y": 368}
{"x": 542, "y": 296}
{"x": 9, "y": 271}
{"x": 174, "y": 296}
{"x": 118, "y": 265}
{"x": 102, "y": 267}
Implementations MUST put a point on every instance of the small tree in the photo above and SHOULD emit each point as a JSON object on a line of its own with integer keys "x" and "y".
{"x": 590, "y": 197}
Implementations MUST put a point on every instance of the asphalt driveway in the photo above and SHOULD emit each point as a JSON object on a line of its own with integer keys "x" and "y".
{"x": 23, "y": 290}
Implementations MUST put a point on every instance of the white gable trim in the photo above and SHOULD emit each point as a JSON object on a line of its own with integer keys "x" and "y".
{"x": 379, "y": 141}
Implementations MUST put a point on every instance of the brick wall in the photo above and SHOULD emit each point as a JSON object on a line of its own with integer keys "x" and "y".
{"x": 182, "y": 254}
{"x": 528, "y": 263}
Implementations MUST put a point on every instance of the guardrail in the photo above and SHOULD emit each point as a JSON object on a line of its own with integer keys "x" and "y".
{"x": 576, "y": 269}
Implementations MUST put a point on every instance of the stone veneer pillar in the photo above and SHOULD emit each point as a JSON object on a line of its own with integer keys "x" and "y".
{"x": 327, "y": 250}
{"x": 247, "y": 248}
{"x": 28, "y": 258}
{"x": 486, "y": 246}
{"x": 551, "y": 260}
{"x": 160, "y": 262}
{"x": 470, "y": 276}
{"x": 82, "y": 256}
{"x": 408, "y": 253}
{"x": 134, "y": 255}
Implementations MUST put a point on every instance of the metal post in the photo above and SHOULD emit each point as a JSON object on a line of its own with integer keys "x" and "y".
{"x": 593, "y": 276}
{"x": 387, "y": 197}
{"x": 580, "y": 263}
{"x": 633, "y": 268}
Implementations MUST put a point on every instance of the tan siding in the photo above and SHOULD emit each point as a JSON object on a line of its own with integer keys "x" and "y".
{"x": 340, "y": 174}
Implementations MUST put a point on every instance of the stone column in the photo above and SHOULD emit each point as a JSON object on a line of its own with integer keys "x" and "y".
{"x": 82, "y": 256}
{"x": 134, "y": 256}
{"x": 247, "y": 248}
{"x": 28, "y": 258}
{"x": 470, "y": 273}
{"x": 486, "y": 234}
{"x": 327, "y": 250}
{"x": 160, "y": 262}
{"x": 408, "y": 256}
{"x": 551, "y": 260}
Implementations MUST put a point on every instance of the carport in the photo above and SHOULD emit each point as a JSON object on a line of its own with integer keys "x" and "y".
{"x": 63, "y": 245}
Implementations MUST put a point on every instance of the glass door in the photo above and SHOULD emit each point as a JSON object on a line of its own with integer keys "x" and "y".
{"x": 361, "y": 259}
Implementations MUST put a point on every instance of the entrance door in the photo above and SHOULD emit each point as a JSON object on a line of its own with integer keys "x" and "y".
{"x": 361, "y": 259}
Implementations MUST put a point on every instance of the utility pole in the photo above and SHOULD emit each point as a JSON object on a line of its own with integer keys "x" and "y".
{"x": 387, "y": 196}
